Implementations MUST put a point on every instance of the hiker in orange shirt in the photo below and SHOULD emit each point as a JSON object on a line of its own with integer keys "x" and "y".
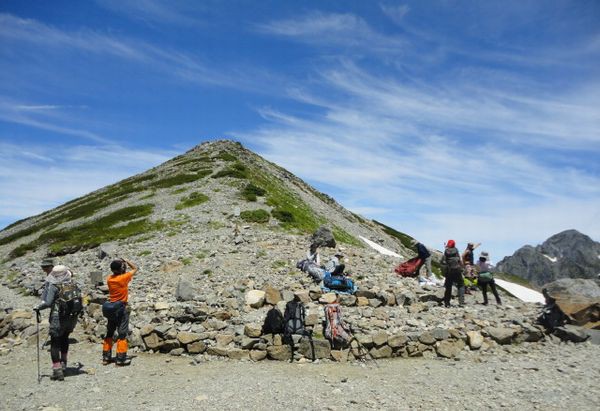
{"x": 115, "y": 310}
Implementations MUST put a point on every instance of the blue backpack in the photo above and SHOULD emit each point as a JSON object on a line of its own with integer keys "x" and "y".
{"x": 338, "y": 282}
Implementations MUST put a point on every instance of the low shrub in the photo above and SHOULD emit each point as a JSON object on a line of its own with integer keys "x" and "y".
{"x": 255, "y": 216}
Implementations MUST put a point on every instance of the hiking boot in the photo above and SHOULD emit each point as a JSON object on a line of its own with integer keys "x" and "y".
{"x": 106, "y": 357}
{"x": 63, "y": 365}
{"x": 122, "y": 360}
{"x": 57, "y": 374}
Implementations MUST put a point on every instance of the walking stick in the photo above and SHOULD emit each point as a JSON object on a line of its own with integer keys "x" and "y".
{"x": 37, "y": 317}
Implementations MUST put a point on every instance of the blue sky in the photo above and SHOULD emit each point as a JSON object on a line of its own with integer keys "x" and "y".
{"x": 472, "y": 120}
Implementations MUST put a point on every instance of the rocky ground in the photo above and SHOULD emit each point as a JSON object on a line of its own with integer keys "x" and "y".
{"x": 557, "y": 377}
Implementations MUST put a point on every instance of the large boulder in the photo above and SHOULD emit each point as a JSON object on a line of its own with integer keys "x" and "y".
{"x": 185, "y": 290}
{"x": 577, "y": 298}
{"x": 255, "y": 298}
{"x": 322, "y": 348}
{"x": 323, "y": 237}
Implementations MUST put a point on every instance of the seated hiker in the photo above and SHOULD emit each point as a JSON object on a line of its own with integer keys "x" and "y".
{"x": 115, "y": 310}
{"x": 486, "y": 277}
{"x": 334, "y": 262}
{"x": 59, "y": 294}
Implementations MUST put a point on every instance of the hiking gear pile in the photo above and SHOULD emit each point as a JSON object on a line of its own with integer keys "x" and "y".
{"x": 338, "y": 283}
{"x": 409, "y": 268}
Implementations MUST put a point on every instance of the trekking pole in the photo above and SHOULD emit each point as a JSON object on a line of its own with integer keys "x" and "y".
{"x": 37, "y": 318}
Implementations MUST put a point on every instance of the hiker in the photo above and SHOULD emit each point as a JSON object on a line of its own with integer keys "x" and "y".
{"x": 425, "y": 256}
{"x": 334, "y": 262}
{"x": 61, "y": 321}
{"x": 486, "y": 277}
{"x": 452, "y": 268}
{"x": 115, "y": 310}
{"x": 470, "y": 274}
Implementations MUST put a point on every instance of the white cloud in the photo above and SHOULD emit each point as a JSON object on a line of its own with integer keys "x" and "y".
{"x": 34, "y": 179}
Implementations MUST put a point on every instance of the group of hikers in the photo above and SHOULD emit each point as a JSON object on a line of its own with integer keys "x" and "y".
{"x": 64, "y": 299}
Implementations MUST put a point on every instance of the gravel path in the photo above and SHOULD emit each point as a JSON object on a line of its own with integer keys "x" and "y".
{"x": 564, "y": 377}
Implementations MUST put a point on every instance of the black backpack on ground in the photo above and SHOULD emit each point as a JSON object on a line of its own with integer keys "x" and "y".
{"x": 273, "y": 322}
{"x": 293, "y": 319}
{"x": 69, "y": 300}
{"x": 293, "y": 323}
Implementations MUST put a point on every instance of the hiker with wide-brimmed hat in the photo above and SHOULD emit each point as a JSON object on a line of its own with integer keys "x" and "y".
{"x": 486, "y": 277}
{"x": 62, "y": 321}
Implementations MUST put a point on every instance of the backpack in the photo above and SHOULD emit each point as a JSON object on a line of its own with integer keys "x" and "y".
{"x": 293, "y": 319}
{"x": 69, "y": 300}
{"x": 338, "y": 282}
{"x": 273, "y": 322}
{"x": 453, "y": 261}
{"x": 409, "y": 268}
{"x": 336, "y": 330}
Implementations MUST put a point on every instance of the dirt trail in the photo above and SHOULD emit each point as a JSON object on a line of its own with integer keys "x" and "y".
{"x": 562, "y": 377}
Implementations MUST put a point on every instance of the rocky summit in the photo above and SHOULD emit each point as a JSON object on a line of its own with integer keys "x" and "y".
{"x": 569, "y": 254}
{"x": 217, "y": 233}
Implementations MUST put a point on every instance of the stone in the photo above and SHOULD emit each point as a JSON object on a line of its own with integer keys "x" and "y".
{"x": 255, "y": 298}
{"x": 96, "y": 278}
{"x": 256, "y": 355}
{"x": 365, "y": 340}
{"x": 171, "y": 266}
{"x": 474, "y": 339}
{"x": 153, "y": 341}
{"x": 185, "y": 290}
{"x": 375, "y": 302}
{"x": 253, "y": 330}
{"x": 169, "y": 345}
{"x": 571, "y": 333}
{"x": 381, "y": 352}
{"x": 340, "y": 355}
{"x": 248, "y": 343}
{"x": 322, "y": 348}
{"x": 322, "y": 237}
{"x": 328, "y": 298}
{"x": 197, "y": 347}
{"x": 449, "y": 349}
{"x": 303, "y": 296}
{"x": 187, "y": 338}
{"x": 279, "y": 352}
{"x": 380, "y": 338}
{"x": 347, "y": 300}
{"x": 237, "y": 354}
{"x": 532, "y": 333}
{"x": 161, "y": 305}
{"x": 397, "y": 340}
{"x": 272, "y": 295}
{"x": 315, "y": 293}
{"x": 312, "y": 319}
{"x": 362, "y": 301}
{"x": 440, "y": 334}
{"x": 427, "y": 338}
{"x": 577, "y": 298}
{"x": 177, "y": 352}
{"x": 501, "y": 335}
{"x": 224, "y": 339}
{"x": 368, "y": 294}
{"x": 218, "y": 351}
{"x": 146, "y": 329}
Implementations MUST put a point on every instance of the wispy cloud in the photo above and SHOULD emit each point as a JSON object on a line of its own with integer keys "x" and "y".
{"x": 334, "y": 29}
{"x": 461, "y": 151}
{"x": 36, "y": 178}
{"x": 153, "y": 11}
{"x": 185, "y": 66}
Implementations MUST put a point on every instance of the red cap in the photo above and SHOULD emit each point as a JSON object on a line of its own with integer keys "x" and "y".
{"x": 450, "y": 244}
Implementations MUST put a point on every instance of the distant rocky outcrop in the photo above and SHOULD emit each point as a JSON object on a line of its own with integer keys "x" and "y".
{"x": 569, "y": 254}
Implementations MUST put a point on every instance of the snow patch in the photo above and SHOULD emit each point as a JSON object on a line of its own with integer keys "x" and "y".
{"x": 379, "y": 248}
{"x": 553, "y": 259}
{"x": 522, "y": 293}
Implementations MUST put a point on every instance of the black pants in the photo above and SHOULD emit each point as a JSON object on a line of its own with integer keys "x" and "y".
{"x": 492, "y": 285}
{"x": 59, "y": 347}
{"x": 454, "y": 278}
{"x": 118, "y": 323}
